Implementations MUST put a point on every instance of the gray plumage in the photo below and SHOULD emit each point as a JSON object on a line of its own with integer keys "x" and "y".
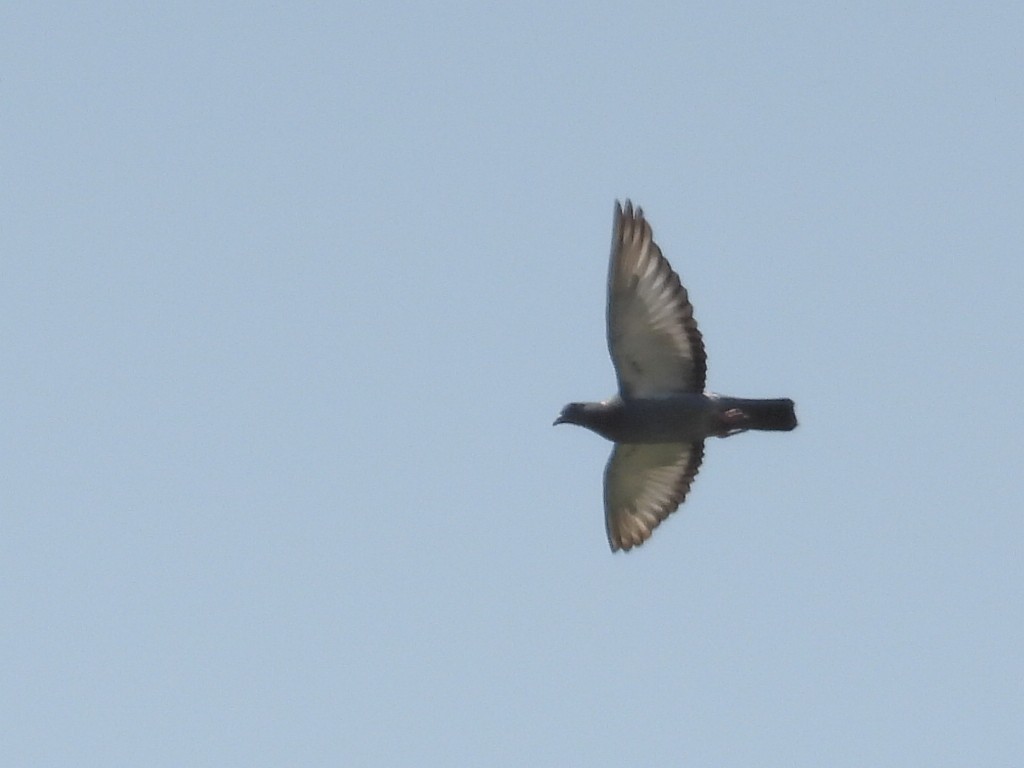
{"x": 661, "y": 415}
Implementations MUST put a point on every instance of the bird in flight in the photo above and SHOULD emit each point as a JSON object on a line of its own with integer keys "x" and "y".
{"x": 662, "y": 414}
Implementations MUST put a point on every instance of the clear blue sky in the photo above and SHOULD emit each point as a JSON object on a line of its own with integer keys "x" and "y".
{"x": 291, "y": 296}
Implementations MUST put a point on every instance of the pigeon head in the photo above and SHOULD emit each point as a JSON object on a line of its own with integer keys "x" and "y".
{"x": 597, "y": 417}
{"x": 573, "y": 413}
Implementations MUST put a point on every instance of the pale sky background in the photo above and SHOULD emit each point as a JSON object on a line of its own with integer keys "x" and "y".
{"x": 290, "y": 298}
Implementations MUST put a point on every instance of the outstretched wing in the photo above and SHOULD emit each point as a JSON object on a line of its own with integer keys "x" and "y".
{"x": 644, "y": 484}
{"x": 652, "y": 336}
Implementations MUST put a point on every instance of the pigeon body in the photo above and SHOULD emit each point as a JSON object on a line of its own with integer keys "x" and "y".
{"x": 661, "y": 415}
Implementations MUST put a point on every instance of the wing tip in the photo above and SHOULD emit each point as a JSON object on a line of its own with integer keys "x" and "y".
{"x": 626, "y": 210}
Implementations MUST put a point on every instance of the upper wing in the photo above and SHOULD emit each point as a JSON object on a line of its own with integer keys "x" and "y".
{"x": 643, "y": 484}
{"x": 652, "y": 336}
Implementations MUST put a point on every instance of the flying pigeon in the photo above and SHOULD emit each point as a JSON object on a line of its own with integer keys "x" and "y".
{"x": 662, "y": 414}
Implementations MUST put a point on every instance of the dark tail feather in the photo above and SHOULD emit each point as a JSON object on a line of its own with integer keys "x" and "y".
{"x": 769, "y": 415}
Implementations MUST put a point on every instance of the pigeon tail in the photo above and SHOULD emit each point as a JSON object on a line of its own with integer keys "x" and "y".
{"x": 776, "y": 415}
